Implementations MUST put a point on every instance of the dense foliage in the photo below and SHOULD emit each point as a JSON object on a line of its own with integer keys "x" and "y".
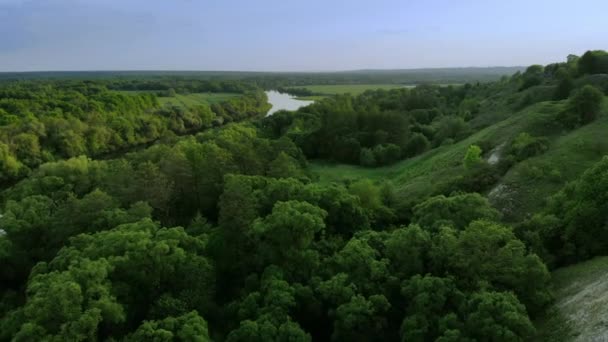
{"x": 226, "y": 234}
{"x": 45, "y": 121}
{"x": 380, "y": 127}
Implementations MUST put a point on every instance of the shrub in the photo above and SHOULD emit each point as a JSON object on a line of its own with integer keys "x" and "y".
{"x": 525, "y": 146}
{"x": 416, "y": 145}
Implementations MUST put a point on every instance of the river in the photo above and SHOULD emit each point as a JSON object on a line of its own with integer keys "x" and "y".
{"x": 280, "y": 101}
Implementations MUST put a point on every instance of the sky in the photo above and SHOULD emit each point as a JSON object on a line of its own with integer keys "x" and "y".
{"x": 294, "y": 35}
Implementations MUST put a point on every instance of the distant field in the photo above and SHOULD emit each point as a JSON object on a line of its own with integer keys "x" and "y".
{"x": 190, "y": 99}
{"x": 353, "y": 89}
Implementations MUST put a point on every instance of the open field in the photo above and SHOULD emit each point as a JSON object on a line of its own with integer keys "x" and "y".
{"x": 353, "y": 89}
{"x": 190, "y": 100}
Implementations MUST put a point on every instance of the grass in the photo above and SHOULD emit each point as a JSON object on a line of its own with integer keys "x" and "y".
{"x": 524, "y": 188}
{"x": 579, "y": 311}
{"x": 195, "y": 99}
{"x": 311, "y": 98}
{"x": 570, "y": 153}
{"x": 416, "y": 177}
{"x": 188, "y": 100}
{"x": 353, "y": 89}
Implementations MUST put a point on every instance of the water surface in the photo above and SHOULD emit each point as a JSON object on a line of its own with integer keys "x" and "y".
{"x": 280, "y": 101}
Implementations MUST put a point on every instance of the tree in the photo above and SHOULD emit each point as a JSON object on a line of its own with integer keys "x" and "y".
{"x": 406, "y": 248}
{"x": 586, "y": 103}
{"x": 532, "y": 76}
{"x": 361, "y": 319}
{"x": 580, "y": 209}
{"x": 264, "y": 314}
{"x": 490, "y": 252}
{"x": 564, "y": 88}
{"x": 286, "y": 235}
{"x": 153, "y": 186}
{"x": 455, "y": 211}
{"x": 10, "y": 167}
{"x": 433, "y": 309}
{"x": 593, "y": 62}
{"x": 367, "y": 157}
{"x": 70, "y": 305}
{"x": 27, "y": 148}
{"x": 83, "y": 293}
{"x": 417, "y": 144}
{"x": 364, "y": 265}
{"x": 449, "y": 127}
{"x": 497, "y": 316}
{"x": 284, "y": 166}
{"x": 188, "y": 327}
{"x": 472, "y": 157}
{"x": 525, "y": 146}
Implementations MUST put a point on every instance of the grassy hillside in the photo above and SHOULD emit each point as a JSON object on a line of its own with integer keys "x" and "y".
{"x": 524, "y": 187}
{"x": 417, "y": 175}
{"x": 569, "y": 154}
{"x": 582, "y": 296}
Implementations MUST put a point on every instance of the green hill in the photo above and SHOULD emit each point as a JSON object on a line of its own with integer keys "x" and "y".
{"x": 579, "y": 311}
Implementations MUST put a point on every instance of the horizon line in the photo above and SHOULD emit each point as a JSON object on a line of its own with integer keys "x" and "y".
{"x": 261, "y": 71}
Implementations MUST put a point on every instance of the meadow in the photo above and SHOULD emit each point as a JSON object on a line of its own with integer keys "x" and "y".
{"x": 354, "y": 89}
{"x": 189, "y": 100}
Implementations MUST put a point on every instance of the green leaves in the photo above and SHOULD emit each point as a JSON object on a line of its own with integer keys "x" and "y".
{"x": 361, "y": 319}
{"x": 71, "y": 304}
{"x": 494, "y": 316}
{"x": 187, "y": 327}
{"x": 472, "y": 157}
{"x": 456, "y": 211}
{"x": 111, "y": 278}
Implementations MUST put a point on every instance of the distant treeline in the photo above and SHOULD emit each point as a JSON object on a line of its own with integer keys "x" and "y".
{"x": 272, "y": 80}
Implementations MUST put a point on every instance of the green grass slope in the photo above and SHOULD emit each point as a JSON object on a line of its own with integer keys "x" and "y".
{"x": 523, "y": 189}
{"x": 579, "y": 311}
{"x": 528, "y": 183}
{"x": 417, "y": 176}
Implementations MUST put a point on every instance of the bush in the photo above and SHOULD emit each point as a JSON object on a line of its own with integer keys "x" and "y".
{"x": 450, "y": 127}
{"x": 583, "y": 107}
{"x": 367, "y": 157}
{"x": 525, "y": 146}
{"x": 472, "y": 157}
{"x": 416, "y": 145}
{"x": 387, "y": 154}
{"x": 593, "y": 62}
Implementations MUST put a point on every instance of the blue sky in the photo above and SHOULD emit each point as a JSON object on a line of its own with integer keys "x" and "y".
{"x": 283, "y": 35}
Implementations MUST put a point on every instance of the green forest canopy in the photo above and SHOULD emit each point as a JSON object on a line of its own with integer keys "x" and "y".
{"x": 217, "y": 229}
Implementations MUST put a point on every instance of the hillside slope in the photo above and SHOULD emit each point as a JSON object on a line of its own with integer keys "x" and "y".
{"x": 526, "y": 184}
{"x": 579, "y": 312}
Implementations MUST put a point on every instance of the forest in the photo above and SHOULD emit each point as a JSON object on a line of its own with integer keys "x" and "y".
{"x": 122, "y": 219}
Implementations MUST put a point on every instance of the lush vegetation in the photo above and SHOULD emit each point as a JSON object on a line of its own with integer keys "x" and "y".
{"x": 43, "y": 121}
{"x": 319, "y": 91}
{"x": 223, "y": 230}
